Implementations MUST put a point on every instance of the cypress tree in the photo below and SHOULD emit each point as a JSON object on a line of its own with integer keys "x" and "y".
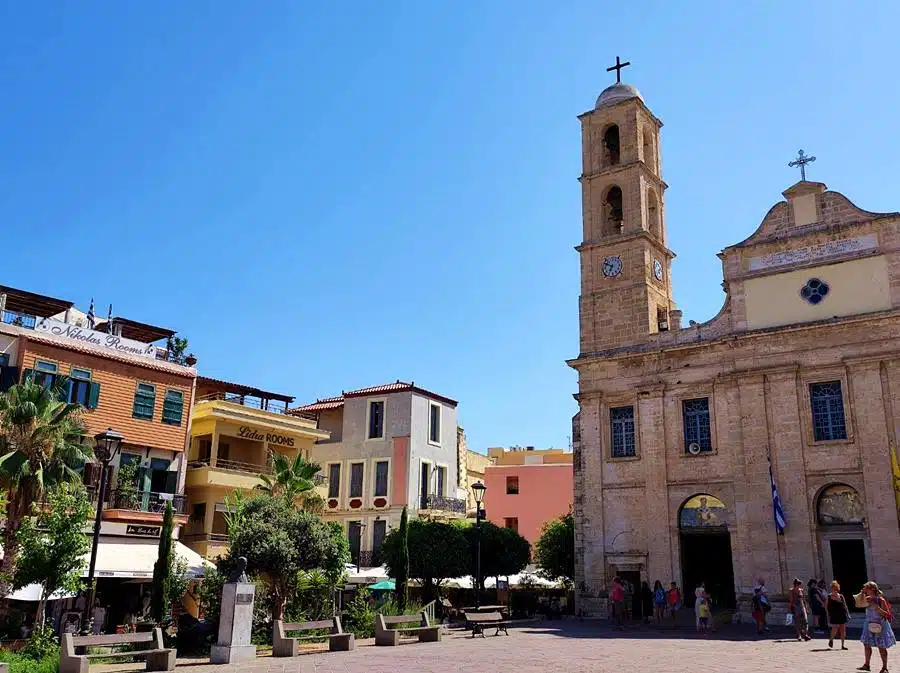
{"x": 162, "y": 569}
{"x": 401, "y": 581}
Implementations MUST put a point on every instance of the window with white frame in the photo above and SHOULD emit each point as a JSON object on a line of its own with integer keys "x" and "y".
{"x": 381, "y": 479}
{"x": 376, "y": 419}
{"x": 356, "y": 479}
{"x": 434, "y": 423}
{"x": 334, "y": 480}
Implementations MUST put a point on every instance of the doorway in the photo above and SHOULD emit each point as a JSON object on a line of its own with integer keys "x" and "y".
{"x": 848, "y": 563}
{"x": 706, "y": 557}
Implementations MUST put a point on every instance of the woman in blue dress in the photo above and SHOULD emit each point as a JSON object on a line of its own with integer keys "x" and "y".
{"x": 877, "y": 631}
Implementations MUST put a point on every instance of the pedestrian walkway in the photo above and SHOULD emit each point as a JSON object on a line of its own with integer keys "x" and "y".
{"x": 572, "y": 646}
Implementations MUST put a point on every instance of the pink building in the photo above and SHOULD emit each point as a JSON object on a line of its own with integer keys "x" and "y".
{"x": 526, "y": 488}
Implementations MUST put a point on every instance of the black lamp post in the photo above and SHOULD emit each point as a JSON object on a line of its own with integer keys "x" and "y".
{"x": 478, "y": 490}
{"x": 106, "y": 446}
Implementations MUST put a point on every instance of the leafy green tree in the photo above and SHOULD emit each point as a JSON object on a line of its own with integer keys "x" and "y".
{"x": 400, "y": 561}
{"x": 177, "y": 347}
{"x": 179, "y": 581}
{"x": 52, "y": 545}
{"x": 503, "y": 551}
{"x": 555, "y": 550}
{"x": 41, "y": 444}
{"x": 279, "y": 541}
{"x": 295, "y": 481}
{"x": 436, "y": 551}
{"x": 162, "y": 569}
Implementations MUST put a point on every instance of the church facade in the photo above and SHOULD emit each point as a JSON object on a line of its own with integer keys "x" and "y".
{"x": 678, "y": 425}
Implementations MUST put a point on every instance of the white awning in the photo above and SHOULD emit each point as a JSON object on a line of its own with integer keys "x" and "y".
{"x": 121, "y": 557}
{"x": 33, "y": 593}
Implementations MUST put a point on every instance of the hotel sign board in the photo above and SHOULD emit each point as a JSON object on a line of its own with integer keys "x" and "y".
{"x": 246, "y": 432}
{"x": 95, "y": 338}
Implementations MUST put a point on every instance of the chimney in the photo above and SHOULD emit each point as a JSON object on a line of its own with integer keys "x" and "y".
{"x": 675, "y": 319}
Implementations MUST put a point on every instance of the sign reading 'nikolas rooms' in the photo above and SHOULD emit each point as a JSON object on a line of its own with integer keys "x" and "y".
{"x": 95, "y": 338}
{"x": 272, "y": 438}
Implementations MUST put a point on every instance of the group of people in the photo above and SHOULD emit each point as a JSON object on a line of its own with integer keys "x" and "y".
{"x": 654, "y": 605}
{"x": 832, "y": 613}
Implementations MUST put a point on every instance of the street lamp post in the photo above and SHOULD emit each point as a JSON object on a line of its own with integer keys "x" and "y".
{"x": 106, "y": 446}
{"x": 478, "y": 490}
{"x": 362, "y": 531}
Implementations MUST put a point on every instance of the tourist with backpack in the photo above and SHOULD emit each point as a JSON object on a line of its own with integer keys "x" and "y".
{"x": 659, "y": 602}
{"x": 877, "y": 631}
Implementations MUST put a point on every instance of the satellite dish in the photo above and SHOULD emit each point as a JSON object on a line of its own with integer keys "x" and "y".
{"x": 694, "y": 449}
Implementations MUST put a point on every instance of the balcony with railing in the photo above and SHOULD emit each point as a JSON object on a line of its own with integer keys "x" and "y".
{"x": 443, "y": 504}
{"x": 127, "y": 504}
{"x": 366, "y": 559}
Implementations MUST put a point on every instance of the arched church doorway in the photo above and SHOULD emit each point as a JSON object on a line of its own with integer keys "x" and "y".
{"x": 706, "y": 550}
{"x": 841, "y": 516}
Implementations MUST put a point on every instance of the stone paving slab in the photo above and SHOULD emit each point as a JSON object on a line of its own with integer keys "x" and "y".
{"x": 574, "y": 647}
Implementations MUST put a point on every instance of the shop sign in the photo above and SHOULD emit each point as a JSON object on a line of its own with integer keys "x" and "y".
{"x": 95, "y": 338}
{"x": 247, "y": 432}
{"x": 143, "y": 531}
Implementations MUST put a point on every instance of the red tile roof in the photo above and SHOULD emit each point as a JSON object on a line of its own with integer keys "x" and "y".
{"x": 397, "y": 386}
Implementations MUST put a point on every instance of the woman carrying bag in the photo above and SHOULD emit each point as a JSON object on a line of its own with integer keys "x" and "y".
{"x": 877, "y": 631}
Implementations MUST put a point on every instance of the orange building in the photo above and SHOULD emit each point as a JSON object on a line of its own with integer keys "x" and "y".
{"x": 123, "y": 379}
{"x": 527, "y": 487}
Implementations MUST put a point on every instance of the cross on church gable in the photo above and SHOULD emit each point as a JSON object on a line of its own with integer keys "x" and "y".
{"x": 801, "y": 161}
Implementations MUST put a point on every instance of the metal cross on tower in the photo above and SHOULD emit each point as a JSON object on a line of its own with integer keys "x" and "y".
{"x": 618, "y": 68}
{"x": 801, "y": 161}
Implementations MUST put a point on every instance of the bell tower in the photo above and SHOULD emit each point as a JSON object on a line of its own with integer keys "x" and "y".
{"x": 626, "y": 291}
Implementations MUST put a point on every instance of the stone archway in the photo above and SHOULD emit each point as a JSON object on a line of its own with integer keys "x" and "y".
{"x": 705, "y": 543}
{"x": 841, "y": 518}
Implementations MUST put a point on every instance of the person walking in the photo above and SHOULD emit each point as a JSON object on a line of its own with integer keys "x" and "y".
{"x": 700, "y": 598}
{"x": 877, "y": 631}
{"x": 798, "y": 608}
{"x": 838, "y": 615}
{"x": 759, "y": 614}
{"x": 617, "y": 596}
{"x": 673, "y": 600}
{"x": 764, "y": 599}
{"x": 659, "y": 602}
{"x": 816, "y": 607}
{"x": 646, "y": 602}
{"x": 823, "y": 616}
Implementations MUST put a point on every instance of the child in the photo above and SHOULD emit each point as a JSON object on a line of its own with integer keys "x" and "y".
{"x": 703, "y": 611}
{"x": 759, "y": 615}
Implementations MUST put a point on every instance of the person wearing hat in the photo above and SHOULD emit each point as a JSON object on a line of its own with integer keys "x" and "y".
{"x": 797, "y": 606}
{"x": 877, "y": 631}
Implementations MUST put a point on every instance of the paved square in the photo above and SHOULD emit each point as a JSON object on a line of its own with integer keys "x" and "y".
{"x": 573, "y": 647}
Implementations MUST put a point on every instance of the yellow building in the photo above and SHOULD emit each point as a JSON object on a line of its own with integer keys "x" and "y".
{"x": 234, "y": 431}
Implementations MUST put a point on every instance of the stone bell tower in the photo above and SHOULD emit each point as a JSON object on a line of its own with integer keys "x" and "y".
{"x": 626, "y": 290}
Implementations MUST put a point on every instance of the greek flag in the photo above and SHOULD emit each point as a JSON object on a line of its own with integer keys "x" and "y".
{"x": 91, "y": 318}
{"x": 777, "y": 509}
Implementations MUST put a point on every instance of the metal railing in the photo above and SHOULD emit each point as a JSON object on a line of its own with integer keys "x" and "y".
{"x": 209, "y": 537}
{"x": 274, "y": 406}
{"x": 18, "y": 319}
{"x": 233, "y": 465}
{"x": 141, "y": 501}
{"x": 444, "y": 504}
{"x": 367, "y": 559}
{"x": 429, "y": 612}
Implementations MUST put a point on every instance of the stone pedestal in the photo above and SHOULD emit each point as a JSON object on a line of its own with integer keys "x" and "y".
{"x": 235, "y": 625}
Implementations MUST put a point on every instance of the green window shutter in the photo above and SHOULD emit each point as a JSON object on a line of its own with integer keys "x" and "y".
{"x": 67, "y": 387}
{"x": 93, "y": 395}
{"x": 144, "y": 401}
{"x": 173, "y": 407}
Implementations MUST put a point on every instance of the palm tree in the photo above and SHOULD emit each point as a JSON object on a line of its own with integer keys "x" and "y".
{"x": 294, "y": 480}
{"x": 40, "y": 445}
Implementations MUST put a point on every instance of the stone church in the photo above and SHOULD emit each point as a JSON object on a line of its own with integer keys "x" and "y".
{"x": 678, "y": 424}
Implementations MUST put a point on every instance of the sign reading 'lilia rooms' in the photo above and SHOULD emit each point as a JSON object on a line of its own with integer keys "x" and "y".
{"x": 95, "y": 338}
{"x": 249, "y": 433}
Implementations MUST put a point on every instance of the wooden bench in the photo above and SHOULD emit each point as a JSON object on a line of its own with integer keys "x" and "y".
{"x": 480, "y": 621}
{"x": 338, "y": 641}
{"x": 387, "y": 636}
{"x": 158, "y": 657}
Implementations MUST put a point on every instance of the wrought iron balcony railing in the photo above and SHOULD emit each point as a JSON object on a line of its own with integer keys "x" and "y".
{"x": 444, "y": 504}
{"x": 367, "y": 559}
{"x": 141, "y": 501}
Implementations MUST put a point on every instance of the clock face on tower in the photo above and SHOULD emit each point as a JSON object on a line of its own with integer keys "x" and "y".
{"x": 612, "y": 266}
{"x": 657, "y": 269}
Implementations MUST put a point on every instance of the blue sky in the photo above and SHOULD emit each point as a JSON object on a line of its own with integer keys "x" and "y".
{"x": 323, "y": 196}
